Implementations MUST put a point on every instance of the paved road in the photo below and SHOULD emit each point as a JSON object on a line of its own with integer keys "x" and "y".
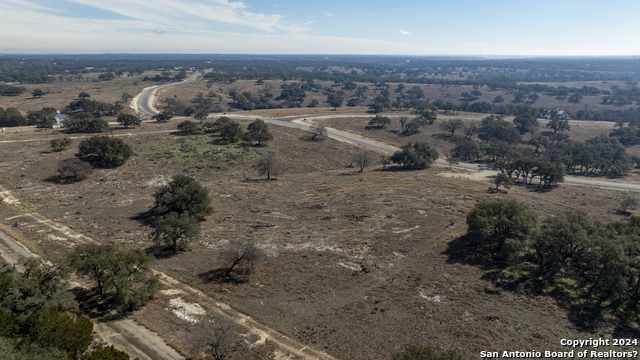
{"x": 146, "y": 98}
{"x": 304, "y": 122}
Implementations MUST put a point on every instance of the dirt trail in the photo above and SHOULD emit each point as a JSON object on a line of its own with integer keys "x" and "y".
{"x": 125, "y": 334}
{"x": 128, "y": 335}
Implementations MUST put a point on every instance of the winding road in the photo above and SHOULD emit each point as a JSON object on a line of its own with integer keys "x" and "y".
{"x": 144, "y": 101}
{"x": 304, "y": 122}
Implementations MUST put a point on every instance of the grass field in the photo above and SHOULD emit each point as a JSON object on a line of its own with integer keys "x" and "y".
{"x": 360, "y": 265}
{"x": 60, "y": 94}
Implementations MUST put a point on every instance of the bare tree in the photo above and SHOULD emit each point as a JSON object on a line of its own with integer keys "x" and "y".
{"x": 268, "y": 165}
{"x": 222, "y": 341}
{"x": 362, "y": 160}
{"x": 385, "y": 160}
{"x": 241, "y": 253}
{"x": 469, "y": 130}
{"x": 74, "y": 169}
{"x": 280, "y": 169}
{"x": 318, "y": 130}
{"x": 628, "y": 203}
{"x": 452, "y": 160}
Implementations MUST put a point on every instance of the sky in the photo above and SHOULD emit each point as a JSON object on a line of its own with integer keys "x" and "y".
{"x": 400, "y": 27}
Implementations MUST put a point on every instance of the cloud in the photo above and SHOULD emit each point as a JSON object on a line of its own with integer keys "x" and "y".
{"x": 328, "y": 14}
{"x": 199, "y": 14}
{"x": 32, "y": 30}
{"x": 404, "y": 32}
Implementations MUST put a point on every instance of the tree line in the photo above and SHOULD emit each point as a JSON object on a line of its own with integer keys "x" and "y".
{"x": 589, "y": 262}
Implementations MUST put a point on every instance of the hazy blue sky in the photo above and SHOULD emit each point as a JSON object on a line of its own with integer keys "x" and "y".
{"x": 454, "y": 27}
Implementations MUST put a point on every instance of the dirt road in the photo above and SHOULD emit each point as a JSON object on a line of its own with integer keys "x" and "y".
{"x": 125, "y": 334}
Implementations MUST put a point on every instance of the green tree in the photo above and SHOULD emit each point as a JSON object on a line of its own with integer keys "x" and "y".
{"x": 60, "y": 144}
{"x": 201, "y": 116}
{"x": 258, "y": 126}
{"x": 503, "y": 180}
{"x": 557, "y": 124}
{"x": 559, "y": 243}
{"x": 126, "y": 96}
{"x": 231, "y": 132}
{"x": 496, "y": 128}
{"x": 175, "y": 230}
{"x": 83, "y": 95}
{"x": 451, "y": 125}
{"x": 467, "y": 150}
{"x": 539, "y": 140}
{"x": 125, "y": 276}
{"x": 178, "y": 208}
{"x": 107, "y": 76}
{"x": 84, "y": 122}
{"x": 183, "y": 195}
{"x": 336, "y": 102}
{"x": 106, "y": 353}
{"x": 379, "y": 121}
{"x": 500, "y": 227}
{"x": 526, "y": 124}
{"x": 127, "y": 120}
{"x": 549, "y": 173}
{"x": 163, "y": 116}
{"x": 58, "y": 329}
{"x": 498, "y": 99}
{"x": 189, "y": 128}
{"x": 103, "y": 151}
{"x": 415, "y": 155}
{"x": 258, "y": 137}
{"x": 37, "y": 308}
{"x": 37, "y": 93}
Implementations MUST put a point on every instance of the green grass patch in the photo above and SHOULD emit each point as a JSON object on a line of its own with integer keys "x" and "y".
{"x": 200, "y": 149}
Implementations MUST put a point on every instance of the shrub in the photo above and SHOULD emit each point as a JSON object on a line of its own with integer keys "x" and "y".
{"x": 85, "y": 123}
{"x": 60, "y": 144}
{"x": 189, "y": 127}
{"x": 104, "y": 151}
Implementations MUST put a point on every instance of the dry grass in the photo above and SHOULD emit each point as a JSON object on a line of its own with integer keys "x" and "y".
{"x": 432, "y": 92}
{"x": 356, "y": 261}
{"x": 60, "y": 94}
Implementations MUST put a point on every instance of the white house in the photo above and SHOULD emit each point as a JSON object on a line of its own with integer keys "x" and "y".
{"x": 561, "y": 115}
{"x": 60, "y": 118}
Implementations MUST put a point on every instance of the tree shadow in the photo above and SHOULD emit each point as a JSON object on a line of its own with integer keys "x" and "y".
{"x": 143, "y": 218}
{"x": 466, "y": 251}
{"x": 94, "y": 305}
{"x": 219, "y": 276}
{"x": 163, "y": 252}
{"x": 62, "y": 180}
{"x": 310, "y": 138}
{"x": 407, "y": 133}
